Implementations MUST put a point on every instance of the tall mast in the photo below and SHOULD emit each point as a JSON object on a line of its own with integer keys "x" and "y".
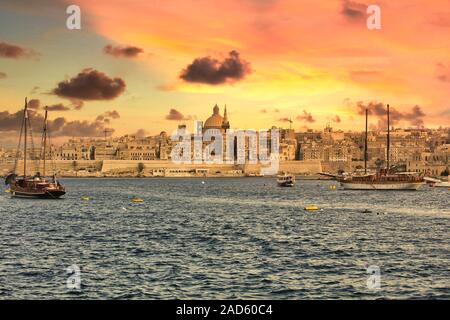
{"x": 44, "y": 138}
{"x": 25, "y": 119}
{"x": 365, "y": 144}
{"x": 388, "y": 137}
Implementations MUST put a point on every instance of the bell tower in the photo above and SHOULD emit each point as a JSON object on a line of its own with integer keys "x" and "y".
{"x": 225, "y": 122}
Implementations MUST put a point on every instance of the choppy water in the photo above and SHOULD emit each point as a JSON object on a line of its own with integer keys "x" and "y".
{"x": 237, "y": 238}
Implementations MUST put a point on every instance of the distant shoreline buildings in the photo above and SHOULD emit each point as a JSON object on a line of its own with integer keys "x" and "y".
{"x": 418, "y": 150}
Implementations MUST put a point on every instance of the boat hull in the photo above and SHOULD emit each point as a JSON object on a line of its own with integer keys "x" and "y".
{"x": 382, "y": 186}
{"x": 286, "y": 184}
{"x": 442, "y": 185}
{"x": 54, "y": 194}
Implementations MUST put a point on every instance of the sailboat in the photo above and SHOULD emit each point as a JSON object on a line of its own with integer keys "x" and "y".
{"x": 36, "y": 186}
{"x": 383, "y": 179}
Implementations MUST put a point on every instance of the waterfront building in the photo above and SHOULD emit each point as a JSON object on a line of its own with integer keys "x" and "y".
{"x": 216, "y": 121}
{"x": 419, "y": 150}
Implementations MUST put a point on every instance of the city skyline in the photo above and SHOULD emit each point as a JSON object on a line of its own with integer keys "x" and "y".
{"x": 150, "y": 66}
{"x": 288, "y": 124}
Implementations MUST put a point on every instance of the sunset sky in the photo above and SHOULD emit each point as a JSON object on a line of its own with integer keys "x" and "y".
{"x": 150, "y": 65}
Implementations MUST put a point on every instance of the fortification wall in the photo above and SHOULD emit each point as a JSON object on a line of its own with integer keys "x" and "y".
{"x": 61, "y": 166}
{"x": 133, "y": 165}
{"x": 111, "y": 167}
{"x": 301, "y": 167}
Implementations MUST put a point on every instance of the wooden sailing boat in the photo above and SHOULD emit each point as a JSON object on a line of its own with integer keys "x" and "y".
{"x": 383, "y": 179}
{"x": 36, "y": 186}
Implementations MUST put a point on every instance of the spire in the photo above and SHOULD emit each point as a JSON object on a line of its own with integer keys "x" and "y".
{"x": 225, "y": 122}
{"x": 225, "y": 118}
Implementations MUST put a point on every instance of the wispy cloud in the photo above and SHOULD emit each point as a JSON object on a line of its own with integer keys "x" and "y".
{"x": 13, "y": 51}
{"x": 306, "y": 116}
{"x": 122, "y": 51}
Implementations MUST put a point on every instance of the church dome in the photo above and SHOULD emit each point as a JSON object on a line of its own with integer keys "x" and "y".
{"x": 215, "y": 121}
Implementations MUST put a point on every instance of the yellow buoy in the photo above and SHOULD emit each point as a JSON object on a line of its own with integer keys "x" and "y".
{"x": 137, "y": 200}
{"x": 85, "y": 198}
{"x": 311, "y": 208}
{"x": 333, "y": 187}
{"x": 8, "y": 190}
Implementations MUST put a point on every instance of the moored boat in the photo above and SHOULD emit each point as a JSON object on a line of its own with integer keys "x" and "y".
{"x": 383, "y": 179}
{"x": 34, "y": 186}
{"x": 286, "y": 180}
{"x": 399, "y": 181}
{"x": 437, "y": 183}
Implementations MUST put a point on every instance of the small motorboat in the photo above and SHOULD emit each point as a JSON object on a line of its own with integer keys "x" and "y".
{"x": 286, "y": 180}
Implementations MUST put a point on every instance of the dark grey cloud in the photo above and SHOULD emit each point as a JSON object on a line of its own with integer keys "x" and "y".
{"x": 306, "y": 116}
{"x": 77, "y": 104}
{"x": 122, "y": 51}
{"x": 285, "y": 120}
{"x": 267, "y": 110}
{"x": 112, "y": 114}
{"x": 214, "y": 72}
{"x": 379, "y": 110}
{"x": 108, "y": 115}
{"x": 58, "y": 107}
{"x": 34, "y": 90}
{"x": 336, "y": 119}
{"x": 10, "y": 121}
{"x": 12, "y": 51}
{"x": 79, "y": 128}
{"x": 140, "y": 133}
{"x": 443, "y": 72}
{"x": 35, "y": 7}
{"x": 176, "y": 115}
{"x": 90, "y": 84}
{"x": 34, "y": 104}
{"x": 353, "y": 10}
{"x": 59, "y": 127}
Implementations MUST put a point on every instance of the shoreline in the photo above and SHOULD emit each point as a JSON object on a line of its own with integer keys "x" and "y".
{"x": 298, "y": 177}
